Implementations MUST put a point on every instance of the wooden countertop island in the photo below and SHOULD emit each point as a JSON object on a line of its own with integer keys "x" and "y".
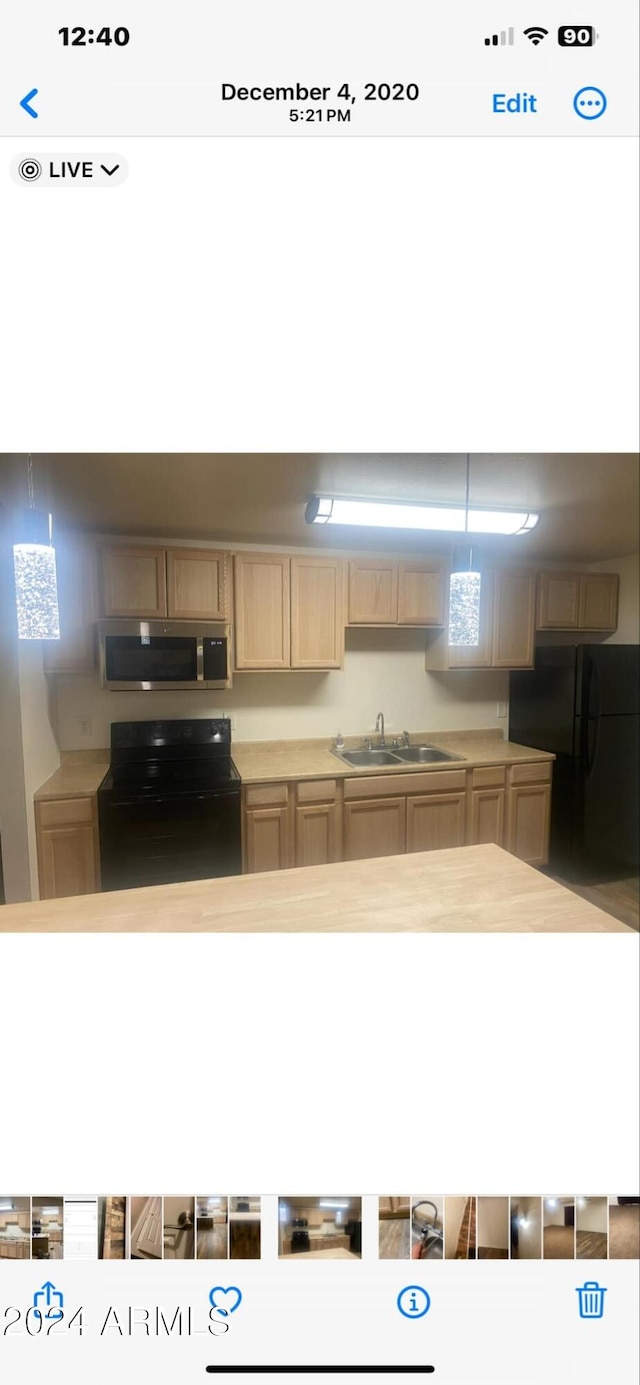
{"x": 469, "y": 889}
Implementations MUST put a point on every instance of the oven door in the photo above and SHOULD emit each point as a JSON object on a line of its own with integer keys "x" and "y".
{"x": 165, "y": 840}
{"x": 150, "y": 655}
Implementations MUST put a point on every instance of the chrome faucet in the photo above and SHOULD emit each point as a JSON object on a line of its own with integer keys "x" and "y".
{"x": 380, "y": 728}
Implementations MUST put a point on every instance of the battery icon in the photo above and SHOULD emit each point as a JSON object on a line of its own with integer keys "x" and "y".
{"x": 577, "y": 36}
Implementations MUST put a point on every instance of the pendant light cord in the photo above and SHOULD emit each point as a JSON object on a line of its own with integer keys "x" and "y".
{"x": 30, "y": 482}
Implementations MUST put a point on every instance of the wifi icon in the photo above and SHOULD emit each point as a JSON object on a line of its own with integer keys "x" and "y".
{"x": 535, "y": 33}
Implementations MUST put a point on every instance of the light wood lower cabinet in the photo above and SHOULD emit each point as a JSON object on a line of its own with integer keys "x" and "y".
{"x": 317, "y": 834}
{"x": 374, "y": 827}
{"x": 436, "y": 821}
{"x": 529, "y": 813}
{"x": 68, "y": 847}
{"x": 486, "y": 816}
{"x": 267, "y": 839}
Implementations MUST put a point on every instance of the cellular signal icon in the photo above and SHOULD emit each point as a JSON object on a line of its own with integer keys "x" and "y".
{"x": 535, "y": 34}
{"x": 503, "y": 40}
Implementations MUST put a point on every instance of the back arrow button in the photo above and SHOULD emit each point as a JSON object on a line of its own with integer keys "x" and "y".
{"x": 25, "y": 103}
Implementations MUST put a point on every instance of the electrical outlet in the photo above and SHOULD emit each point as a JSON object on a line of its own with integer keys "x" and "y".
{"x": 84, "y": 726}
{"x": 501, "y": 709}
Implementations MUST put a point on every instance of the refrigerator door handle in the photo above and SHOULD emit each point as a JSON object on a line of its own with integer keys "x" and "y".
{"x": 593, "y": 739}
{"x": 593, "y": 705}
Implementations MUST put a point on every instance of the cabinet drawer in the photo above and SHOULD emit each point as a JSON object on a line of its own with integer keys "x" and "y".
{"x": 531, "y": 774}
{"x": 63, "y": 811}
{"x": 259, "y": 795}
{"x": 426, "y": 782}
{"x": 317, "y": 791}
{"x": 490, "y": 777}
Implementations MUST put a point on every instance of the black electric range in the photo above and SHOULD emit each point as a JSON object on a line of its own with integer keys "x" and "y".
{"x": 169, "y": 805}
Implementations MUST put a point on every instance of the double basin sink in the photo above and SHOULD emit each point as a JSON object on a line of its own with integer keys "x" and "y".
{"x": 400, "y": 755}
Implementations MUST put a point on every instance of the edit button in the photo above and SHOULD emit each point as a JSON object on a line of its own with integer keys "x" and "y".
{"x": 521, "y": 103}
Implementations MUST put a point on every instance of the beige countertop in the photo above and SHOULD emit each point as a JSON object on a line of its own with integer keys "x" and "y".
{"x": 82, "y": 771}
{"x": 337, "y": 1254}
{"x": 466, "y": 889}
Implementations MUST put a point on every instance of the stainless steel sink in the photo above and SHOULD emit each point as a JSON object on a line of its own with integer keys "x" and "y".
{"x": 423, "y": 755}
{"x": 410, "y": 755}
{"x": 367, "y": 757}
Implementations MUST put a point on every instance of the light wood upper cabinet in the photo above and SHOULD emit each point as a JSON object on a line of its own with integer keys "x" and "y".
{"x": 317, "y": 612}
{"x": 598, "y": 601}
{"x": 420, "y": 594}
{"x": 514, "y": 601}
{"x": 133, "y": 581}
{"x": 76, "y": 568}
{"x": 387, "y": 592}
{"x": 262, "y": 611}
{"x": 197, "y": 584}
{"x": 577, "y": 601}
{"x": 373, "y": 592}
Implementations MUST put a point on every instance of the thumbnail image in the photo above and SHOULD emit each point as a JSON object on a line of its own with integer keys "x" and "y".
{"x": 591, "y": 1228}
{"x": 212, "y": 1227}
{"x": 320, "y": 1228}
{"x": 113, "y": 1243}
{"x": 526, "y": 1228}
{"x": 493, "y": 1228}
{"x": 179, "y": 1228}
{"x": 394, "y": 1228}
{"x": 460, "y": 1228}
{"x": 558, "y": 1228}
{"x": 15, "y": 1226}
{"x": 624, "y": 1228}
{"x": 47, "y": 1222}
{"x": 427, "y": 1227}
{"x": 146, "y": 1228}
{"x": 244, "y": 1228}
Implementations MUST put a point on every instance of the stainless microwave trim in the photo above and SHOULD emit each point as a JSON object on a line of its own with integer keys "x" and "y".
{"x": 190, "y": 629}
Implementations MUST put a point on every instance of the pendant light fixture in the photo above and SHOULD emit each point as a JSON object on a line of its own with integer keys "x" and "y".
{"x": 34, "y": 565}
{"x": 464, "y": 591}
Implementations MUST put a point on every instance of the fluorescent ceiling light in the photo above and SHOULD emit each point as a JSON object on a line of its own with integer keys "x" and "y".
{"x": 395, "y": 514}
{"x": 326, "y": 1203}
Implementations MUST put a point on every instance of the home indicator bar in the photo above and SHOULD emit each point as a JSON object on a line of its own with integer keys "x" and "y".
{"x": 321, "y": 1370}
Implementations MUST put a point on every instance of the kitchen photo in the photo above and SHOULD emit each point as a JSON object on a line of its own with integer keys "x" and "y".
{"x": 320, "y": 1228}
{"x": 47, "y": 1228}
{"x": 229, "y": 678}
{"x": 212, "y": 1227}
{"x": 15, "y": 1228}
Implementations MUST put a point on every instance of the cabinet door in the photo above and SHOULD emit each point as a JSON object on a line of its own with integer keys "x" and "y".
{"x": 373, "y": 592}
{"x": 528, "y": 812}
{"x": 558, "y": 600}
{"x": 75, "y": 651}
{"x": 197, "y": 584}
{"x": 420, "y": 594}
{"x": 479, "y": 655}
{"x": 133, "y": 581}
{"x": 487, "y": 816}
{"x": 317, "y": 613}
{"x": 435, "y": 821}
{"x": 514, "y": 619}
{"x": 598, "y": 601}
{"x": 267, "y": 839}
{"x": 262, "y": 625}
{"x": 374, "y": 827}
{"x": 317, "y": 834}
{"x": 67, "y": 861}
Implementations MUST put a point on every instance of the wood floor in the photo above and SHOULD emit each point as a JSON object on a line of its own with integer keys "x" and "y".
{"x": 394, "y": 1239}
{"x": 557, "y": 1243}
{"x": 492, "y": 1253}
{"x": 212, "y": 1245}
{"x": 624, "y": 1232}
{"x": 620, "y": 898}
{"x": 591, "y": 1245}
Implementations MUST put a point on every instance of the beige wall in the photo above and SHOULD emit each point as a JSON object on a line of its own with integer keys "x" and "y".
{"x": 628, "y": 631}
{"x": 554, "y": 1216}
{"x": 493, "y": 1222}
{"x": 530, "y": 1235}
{"x": 453, "y": 1213}
{"x": 40, "y": 754}
{"x": 591, "y": 1214}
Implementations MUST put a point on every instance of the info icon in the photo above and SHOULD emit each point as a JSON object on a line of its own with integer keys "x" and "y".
{"x": 413, "y": 1301}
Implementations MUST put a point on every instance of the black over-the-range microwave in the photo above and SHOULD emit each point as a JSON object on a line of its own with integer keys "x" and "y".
{"x": 154, "y": 654}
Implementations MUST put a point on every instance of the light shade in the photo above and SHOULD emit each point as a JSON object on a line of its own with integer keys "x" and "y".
{"x": 396, "y": 514}
{"x": 464, "y": 607}
{"x": 34, "y": 565}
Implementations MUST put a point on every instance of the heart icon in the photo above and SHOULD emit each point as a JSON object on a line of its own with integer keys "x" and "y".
{"x": 225, "y": 1300}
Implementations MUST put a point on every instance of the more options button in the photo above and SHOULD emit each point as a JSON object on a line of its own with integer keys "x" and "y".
{"x": 70, "y": 170}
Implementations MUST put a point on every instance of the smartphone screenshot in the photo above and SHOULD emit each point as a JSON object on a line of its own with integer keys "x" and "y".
{"x": 319, "y": 692}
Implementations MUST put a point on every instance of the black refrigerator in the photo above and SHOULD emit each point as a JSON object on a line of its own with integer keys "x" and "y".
{"x": 583, "y": 703}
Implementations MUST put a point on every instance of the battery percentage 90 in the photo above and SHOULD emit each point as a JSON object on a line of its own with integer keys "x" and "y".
{"x": 577, "y": 36}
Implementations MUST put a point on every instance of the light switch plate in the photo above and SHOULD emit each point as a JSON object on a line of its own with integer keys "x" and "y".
{"x": 501, "y": 709}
